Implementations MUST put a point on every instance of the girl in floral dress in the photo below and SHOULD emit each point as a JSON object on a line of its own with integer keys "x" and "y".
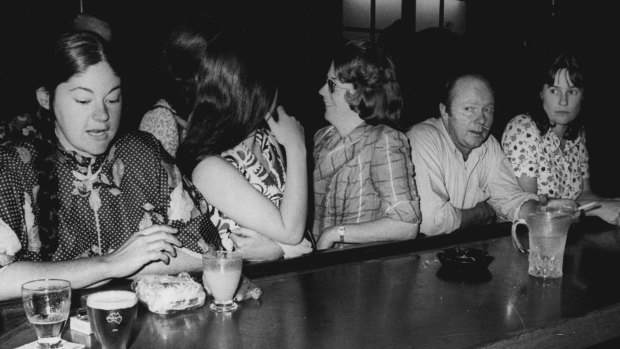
{"x": 547, "y": 148}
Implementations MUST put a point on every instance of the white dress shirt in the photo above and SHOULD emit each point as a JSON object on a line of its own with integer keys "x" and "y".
{"x": 446, "y": 183}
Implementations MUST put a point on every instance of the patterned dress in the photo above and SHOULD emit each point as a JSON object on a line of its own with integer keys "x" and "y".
{"x": 268, "y": 178}
{"x": 21, "y": 126}
{"x": 104, "y": 199}
{"x": 160, "y": 122}
{"x": 559, "y": 173}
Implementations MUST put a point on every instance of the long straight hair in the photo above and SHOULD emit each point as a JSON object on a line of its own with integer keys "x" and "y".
{"x": 182, "y": 58}
{"x": 235, "y": 90}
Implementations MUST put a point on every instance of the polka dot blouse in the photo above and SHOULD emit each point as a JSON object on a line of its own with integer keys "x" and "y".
{"x": 559, "y": 173}
{"x": 104, "y": 200}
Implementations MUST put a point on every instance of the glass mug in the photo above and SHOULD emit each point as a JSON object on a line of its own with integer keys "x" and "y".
{"x": 111, "y": 315}
{"x": 547, "y": 237}
{"x": 221, "y": 273}
{"x": 47, "y": 303}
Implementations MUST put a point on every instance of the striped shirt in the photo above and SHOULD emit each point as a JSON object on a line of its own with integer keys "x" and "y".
{"x": 365, "y": 176}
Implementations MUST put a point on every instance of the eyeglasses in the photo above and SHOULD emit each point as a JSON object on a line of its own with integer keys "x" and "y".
{"x": 332, "y": 86}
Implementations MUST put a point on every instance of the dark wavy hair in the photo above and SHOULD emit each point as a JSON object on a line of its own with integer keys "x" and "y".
{"x": 377, "y": 97}
{"x": 556, "y": 63}
{"x": 72, "y": 53}
{"x": 235, "y": 90}
{"x": 182, "y": 58}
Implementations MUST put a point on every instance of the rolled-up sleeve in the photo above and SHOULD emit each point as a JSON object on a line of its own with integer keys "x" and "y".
{"x": 392, "y": 178}
{"x": 439, "y": 216}
{"x": 507, "y": 197}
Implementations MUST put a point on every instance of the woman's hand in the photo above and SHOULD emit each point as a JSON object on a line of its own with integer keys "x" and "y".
{"x": 152, "y": 244}
{"x": 288, "y": 131}
{"x": 254, "y": 246}
{"x": 609, "y": 211}
{"x": 557, "y": 205}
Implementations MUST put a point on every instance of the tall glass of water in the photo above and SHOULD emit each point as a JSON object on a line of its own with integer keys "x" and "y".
{"x": 47, "y": 303}
{"x": 221, "y": 273}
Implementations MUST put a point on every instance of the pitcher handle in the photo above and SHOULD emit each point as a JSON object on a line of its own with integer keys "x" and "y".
{"x": 515, "y": 239}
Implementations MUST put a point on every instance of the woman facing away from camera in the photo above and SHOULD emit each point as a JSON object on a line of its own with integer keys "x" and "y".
{"x": 182, "y": 56}
{"x": 363, "y": 174}
{"x": 547, "y": 148}
{"x": 85, "y": 204}
{"x": 231, "y": 150}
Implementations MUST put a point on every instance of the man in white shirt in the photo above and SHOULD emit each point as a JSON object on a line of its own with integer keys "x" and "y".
{"x": 462, "y": 175}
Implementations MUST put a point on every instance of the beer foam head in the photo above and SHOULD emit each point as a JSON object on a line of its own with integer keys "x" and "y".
{"x": 110, "y": 300}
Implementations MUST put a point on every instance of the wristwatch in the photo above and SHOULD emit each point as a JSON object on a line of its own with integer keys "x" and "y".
{"x": 341, "y": 233}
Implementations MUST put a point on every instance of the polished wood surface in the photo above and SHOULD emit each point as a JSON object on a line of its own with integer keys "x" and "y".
{"x": 382, "y": 296}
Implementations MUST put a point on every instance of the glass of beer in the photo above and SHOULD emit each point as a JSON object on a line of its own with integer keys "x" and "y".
{"x": 221, "y": 273}
{"x": 111, "y": 315}
{"x": 47, "y": 303}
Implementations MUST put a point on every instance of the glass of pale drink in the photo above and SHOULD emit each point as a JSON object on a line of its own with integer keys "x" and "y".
{"x": 47, "y": 303}
{"x": 221, "y": 273}
{"x": 111, "y": 315}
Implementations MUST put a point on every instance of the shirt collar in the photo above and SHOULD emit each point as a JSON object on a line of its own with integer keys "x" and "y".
{"x": 79, "y": 162}
{"x": 355, "y": 135}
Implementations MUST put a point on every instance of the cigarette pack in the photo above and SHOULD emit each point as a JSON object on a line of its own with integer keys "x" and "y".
{"x": 80, "y": 323}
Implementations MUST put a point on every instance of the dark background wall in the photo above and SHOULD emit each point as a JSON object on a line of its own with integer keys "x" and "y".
{"x": 503, "y": 37}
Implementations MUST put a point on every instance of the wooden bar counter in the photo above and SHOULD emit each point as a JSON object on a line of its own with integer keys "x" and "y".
{"x": 397, "y": 295}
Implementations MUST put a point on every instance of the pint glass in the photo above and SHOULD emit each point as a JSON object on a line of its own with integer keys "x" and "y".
{"x": 111, "y": 315}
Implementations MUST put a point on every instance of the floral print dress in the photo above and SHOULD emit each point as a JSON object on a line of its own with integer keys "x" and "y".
{"x": 104, "y": 199}
{"x": 268, "y": 178}
{"x": 559, "y": 173}
{"x": 160, "y": 121}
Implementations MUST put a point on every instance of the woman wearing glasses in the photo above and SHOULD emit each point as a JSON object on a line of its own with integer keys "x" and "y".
{"x": 363, "y": 175}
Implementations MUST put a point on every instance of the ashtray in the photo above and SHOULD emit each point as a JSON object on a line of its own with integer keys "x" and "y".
{"x": 464, "y": 259}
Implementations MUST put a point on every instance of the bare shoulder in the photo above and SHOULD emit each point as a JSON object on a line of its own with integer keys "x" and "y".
{"x": 215, "y": 169}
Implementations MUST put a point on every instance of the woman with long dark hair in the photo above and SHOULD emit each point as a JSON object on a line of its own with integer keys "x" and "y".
{"x": 232, "y": 148}
{"x": 98, "y": 204}
{"x": 547, "y": 148}
{"x": 181, "y": 59}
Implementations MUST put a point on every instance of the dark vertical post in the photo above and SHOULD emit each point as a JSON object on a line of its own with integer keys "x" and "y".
{"x": 441, "y": 13}
{"x": 408, "y": 12}
{"x": 373, "y": 13}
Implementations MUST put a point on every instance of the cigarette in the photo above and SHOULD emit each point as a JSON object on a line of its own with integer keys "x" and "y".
{"x": 587, "y": 206}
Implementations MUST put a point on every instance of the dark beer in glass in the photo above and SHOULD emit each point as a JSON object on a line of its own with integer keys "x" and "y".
{"x": 111, "y": 315}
